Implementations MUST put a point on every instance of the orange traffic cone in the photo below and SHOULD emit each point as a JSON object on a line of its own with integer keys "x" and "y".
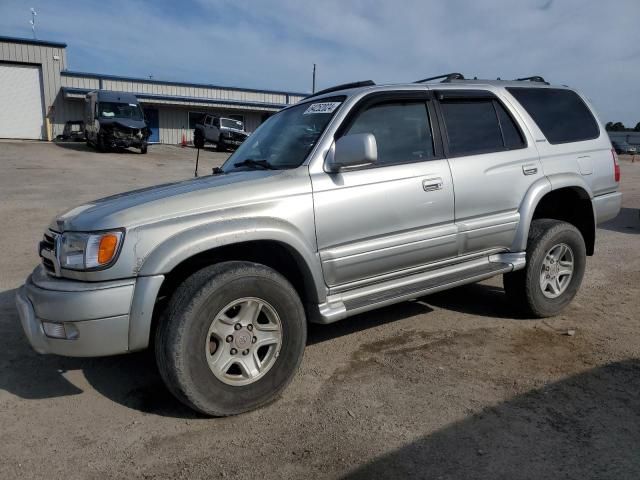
{"x": 184, "y": 140}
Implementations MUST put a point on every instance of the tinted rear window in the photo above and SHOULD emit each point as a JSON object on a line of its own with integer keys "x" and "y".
{"x": 561, "y": 114}
{"x": 472, "y": 126}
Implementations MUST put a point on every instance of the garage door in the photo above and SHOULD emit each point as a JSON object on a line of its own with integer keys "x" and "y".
{"x": 20, "y": 102}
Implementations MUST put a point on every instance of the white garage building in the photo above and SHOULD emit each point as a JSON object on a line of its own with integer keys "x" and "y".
{"x": 39, "y": 95}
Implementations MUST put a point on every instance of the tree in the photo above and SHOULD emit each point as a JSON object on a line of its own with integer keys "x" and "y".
{"x": 609, "y": 126}
{"x": 637, "y": 127}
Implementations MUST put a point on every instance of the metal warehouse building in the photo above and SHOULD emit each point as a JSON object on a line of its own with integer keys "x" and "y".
{"x": 39, "y": 95}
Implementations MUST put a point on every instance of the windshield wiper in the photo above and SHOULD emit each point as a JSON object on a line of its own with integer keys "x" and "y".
{"x": 251, "y": 163}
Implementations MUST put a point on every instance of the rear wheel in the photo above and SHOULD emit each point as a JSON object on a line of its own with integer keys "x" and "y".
{"x": 231, "y": 339}
{"x": 556, "y": 260}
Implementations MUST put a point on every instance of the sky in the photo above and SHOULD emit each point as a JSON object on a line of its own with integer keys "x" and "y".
{"x": 591, "y": 45}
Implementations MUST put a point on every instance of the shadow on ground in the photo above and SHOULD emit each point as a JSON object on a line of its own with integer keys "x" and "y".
{"x": 627, "y": 221}
{"x": 584, "y": 427}
{"x": 83, "y": 147}
{"x": 134, "y": 381}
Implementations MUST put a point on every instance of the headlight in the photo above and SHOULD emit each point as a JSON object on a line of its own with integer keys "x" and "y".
{"x": 86, "y": 251}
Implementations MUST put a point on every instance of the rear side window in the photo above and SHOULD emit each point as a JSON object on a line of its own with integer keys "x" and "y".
{"x": 479, "y": 126}
{"x": 561, "y": 114}
{"x": 402, "y": 131}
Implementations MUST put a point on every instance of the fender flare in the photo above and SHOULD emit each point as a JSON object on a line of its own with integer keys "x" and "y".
{"x": 187, "y": 243}
{"x": 532, "y": 198}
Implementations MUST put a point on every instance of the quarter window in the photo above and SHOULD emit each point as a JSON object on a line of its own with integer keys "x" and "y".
{"x": 561, "y": 114}
{"x": 402, "y": 131}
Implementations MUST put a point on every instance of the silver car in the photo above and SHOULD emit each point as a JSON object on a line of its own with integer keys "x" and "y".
{"x": 358, "y": 197}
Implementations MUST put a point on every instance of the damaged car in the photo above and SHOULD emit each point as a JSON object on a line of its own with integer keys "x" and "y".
{"x": 224, "y": 133}
{"x": 115, "y": 120}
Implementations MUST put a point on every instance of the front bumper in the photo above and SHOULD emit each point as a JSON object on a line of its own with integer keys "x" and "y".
{"x": 96, "y": 313}
{"x": 124, "y": 142}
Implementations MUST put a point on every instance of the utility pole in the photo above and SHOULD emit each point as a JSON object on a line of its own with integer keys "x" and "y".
{"x": 33, "y": 22}
{"x": 313, "y": 85}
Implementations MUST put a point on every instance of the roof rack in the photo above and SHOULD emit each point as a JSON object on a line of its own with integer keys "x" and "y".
{"x": 344, "y": 86}
{"x": 534, "y": 78}
{"x": 447, "y": 77}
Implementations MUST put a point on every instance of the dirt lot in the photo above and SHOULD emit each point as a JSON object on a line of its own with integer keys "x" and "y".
{"x": 449, "y": 386}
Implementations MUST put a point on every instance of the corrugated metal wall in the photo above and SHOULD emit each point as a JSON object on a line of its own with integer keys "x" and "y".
{"x": 42, "y": 55}
{"x": 79, "y": 80}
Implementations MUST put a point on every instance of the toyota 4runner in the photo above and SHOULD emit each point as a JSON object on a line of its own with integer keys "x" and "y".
{"x": 359, "y": 196}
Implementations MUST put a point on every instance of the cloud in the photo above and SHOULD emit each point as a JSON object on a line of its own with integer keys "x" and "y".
{"x": 272, "y": 44}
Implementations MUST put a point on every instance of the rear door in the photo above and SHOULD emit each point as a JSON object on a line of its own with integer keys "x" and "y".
{"x": 493, "y": 162}
{"x": 381, "y": 221}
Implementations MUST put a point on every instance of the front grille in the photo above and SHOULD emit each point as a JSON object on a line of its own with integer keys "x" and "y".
{"x": 47, "y": 252}
{"x": 48, "y": 265}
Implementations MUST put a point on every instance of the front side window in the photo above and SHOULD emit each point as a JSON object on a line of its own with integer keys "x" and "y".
{"x": 286, "y": 138}
{"x": 561, "y": 114}
{"x": 402, "y": 131}
{"x": 129, "y": 111}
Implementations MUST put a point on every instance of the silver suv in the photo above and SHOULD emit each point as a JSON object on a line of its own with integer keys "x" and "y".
{"x": 358, "y": 197}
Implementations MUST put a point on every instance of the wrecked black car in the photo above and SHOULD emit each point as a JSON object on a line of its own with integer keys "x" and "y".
{"x": 115, "y": 120}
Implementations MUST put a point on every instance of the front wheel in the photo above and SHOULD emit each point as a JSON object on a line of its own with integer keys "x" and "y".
{"x": 231, "y": 338}
{"x": 556, "y": 260}
{"x": 143, "y": 149}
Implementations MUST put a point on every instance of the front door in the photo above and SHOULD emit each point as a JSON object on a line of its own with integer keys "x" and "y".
{"x": 153, "y": 122}
{"x": 379, "y": 221}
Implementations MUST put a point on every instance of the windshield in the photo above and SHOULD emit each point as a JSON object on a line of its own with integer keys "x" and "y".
{"x": 230, "y": 123}
{"x": 130, "y": 111}
{"x": 285, "y": 139}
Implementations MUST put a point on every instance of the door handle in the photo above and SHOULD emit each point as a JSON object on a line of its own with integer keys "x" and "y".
{"x": 431, "y": 184}
{"x": 529, "y": 169}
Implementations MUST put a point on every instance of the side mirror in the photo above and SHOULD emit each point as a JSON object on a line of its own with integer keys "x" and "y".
{"x": 356, "y": 150}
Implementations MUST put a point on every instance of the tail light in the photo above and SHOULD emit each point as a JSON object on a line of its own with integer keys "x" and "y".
{"x": 616, "y": 165}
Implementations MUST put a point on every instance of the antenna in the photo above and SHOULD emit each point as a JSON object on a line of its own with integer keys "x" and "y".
{"x": 313, "y": 85}
{"x": 33, "y": 22}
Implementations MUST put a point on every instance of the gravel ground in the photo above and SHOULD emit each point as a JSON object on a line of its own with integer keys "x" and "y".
{"x": 452, "y": 385}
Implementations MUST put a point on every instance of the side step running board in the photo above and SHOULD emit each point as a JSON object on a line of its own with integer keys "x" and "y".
{"x": 367, "y": 298}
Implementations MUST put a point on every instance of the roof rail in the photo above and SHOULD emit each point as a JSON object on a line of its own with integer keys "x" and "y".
{"x": 534, "y": 78}
{"x": 447, "y": 77}
{"x": 344, "y": 86}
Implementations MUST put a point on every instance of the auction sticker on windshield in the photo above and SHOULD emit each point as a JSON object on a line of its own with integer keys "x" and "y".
{"x": 327, "y": 107}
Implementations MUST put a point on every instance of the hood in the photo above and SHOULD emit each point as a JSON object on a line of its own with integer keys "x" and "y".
{"x": 171, "y": 200}
{"x": 123, "y": 122}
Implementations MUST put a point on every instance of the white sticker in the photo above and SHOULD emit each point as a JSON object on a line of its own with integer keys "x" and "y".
{"x": 327, "y": 107}
{"x": 133, "y": 104}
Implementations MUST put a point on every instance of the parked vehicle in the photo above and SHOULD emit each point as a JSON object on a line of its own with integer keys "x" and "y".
{"x": 358, "y": 197}
{"x": 73, "y": 131}
{"x": 115, "y": 120}
{"x": 623, "y": 148}
{"x": 224, "y": 133}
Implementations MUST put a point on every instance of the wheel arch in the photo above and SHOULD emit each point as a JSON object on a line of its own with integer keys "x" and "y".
{"x": 565, "y": 197}
{"x": 183, "y": 254}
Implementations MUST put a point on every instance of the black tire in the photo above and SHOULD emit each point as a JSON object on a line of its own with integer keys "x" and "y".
{"x": 143, "y": 149}
{"x": 220, "y": 147}
{"x": 184, "y": 326}
{"x": 100, "y": 144}
{"x": 523, "y": 286}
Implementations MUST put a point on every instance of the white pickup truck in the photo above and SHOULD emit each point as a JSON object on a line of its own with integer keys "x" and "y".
{"x": 224, "y": 133}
